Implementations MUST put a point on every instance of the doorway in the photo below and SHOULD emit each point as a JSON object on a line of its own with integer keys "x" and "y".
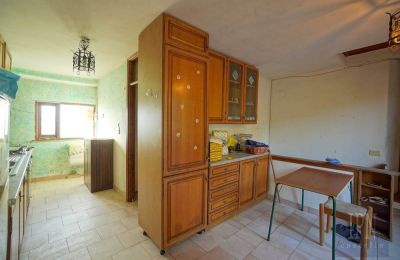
{"x": 131, "y": 156}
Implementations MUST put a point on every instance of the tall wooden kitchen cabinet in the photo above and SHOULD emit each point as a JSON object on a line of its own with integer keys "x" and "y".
{"x": 172, "y": 130}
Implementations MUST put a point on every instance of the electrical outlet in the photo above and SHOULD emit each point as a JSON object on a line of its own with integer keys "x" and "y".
{"x": 376, "y": 153}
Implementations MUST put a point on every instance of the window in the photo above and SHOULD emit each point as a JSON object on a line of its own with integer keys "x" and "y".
{"x": 63, "y": 121}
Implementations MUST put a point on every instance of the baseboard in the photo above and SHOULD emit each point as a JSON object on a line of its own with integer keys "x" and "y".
{"x": 55, "y": 177}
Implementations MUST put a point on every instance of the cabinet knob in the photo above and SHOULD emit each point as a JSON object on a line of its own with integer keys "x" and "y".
{"x": 197, "y": 120}
{"x": 198, "y": 72}
{"x": 178, "y": 76}
{"x": 195, "y": 147}
{"x": 188, "y": 86}
{"x": 182, "y": 106}
{"x": 178, "y": 134}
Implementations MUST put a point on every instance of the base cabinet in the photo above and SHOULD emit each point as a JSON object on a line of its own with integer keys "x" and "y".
{"x": 261, "y": 177}
{"x": 98, "y": 164}
{"x": 246, "y": 190}
{"x": 253, "y": 179}
{"x": 185, "y": 205}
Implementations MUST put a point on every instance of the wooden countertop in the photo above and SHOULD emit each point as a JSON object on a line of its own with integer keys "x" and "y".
{"x": 236, "y": 157}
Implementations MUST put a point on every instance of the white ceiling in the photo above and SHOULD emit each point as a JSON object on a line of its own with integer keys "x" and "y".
{"x": 280, "y": 37}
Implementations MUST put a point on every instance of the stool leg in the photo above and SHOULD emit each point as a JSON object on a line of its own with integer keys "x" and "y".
{"x": 321, "y": 224}
{"x": 328, "y": 223}
{"x": 364, "y": 240}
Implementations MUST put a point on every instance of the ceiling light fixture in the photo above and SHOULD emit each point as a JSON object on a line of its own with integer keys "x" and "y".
{"x": 394, "y": 29}
{"x": 83, "y": 59}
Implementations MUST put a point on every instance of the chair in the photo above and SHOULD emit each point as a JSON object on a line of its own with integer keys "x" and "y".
{"x": 352, "y": 213}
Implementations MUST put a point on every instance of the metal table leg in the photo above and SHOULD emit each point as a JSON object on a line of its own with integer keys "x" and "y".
{"x": 351, "y": 192}
{"x": 302, "y": 200}
{"x": 272, "y": 212}
{"x": 334, "y": 227}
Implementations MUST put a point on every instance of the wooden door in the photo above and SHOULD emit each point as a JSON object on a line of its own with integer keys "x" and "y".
{"x": 186, "y": 80}
{"x": 216, "y": 87}
{"x": 131, "y": 158}
{"x": 246, "y": 184}
{"x": 235, "y": 92}
{"x": 261, "y": 176}
{"x": 185, "y": 202}
{"x": 251, "y": 94}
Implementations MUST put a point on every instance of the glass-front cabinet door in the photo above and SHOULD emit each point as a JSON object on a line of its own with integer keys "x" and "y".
{"x": 235, "y": 92}
{"x": 251, "y": 88}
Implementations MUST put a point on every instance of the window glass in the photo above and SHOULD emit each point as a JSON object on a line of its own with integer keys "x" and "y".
{"x": 76, "y": 121}
{"x": 48, "y": 119}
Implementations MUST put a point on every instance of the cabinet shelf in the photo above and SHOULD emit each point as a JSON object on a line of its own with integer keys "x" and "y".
{"x": 375, "y": 187}
{"x": 235, "y": 81}
{"x": 371, "y": 203}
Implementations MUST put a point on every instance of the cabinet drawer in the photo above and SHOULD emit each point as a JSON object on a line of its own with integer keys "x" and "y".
{"x": 185, "y": 36}
{"x": 217, "y": 194}
{"x": 224, "y": 212}
{"x": 215, "y": 205}
{"x": 223, "y": 180}
{"x": 217, "y": 171}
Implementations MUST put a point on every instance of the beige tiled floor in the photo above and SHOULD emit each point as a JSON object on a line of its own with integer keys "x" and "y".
{"x": 66, "y": 221}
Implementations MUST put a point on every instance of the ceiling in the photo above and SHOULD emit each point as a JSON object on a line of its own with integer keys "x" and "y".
{"x": 282, "y": 38}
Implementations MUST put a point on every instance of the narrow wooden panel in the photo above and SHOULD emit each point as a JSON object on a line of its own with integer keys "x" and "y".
{"x": 216, "y": 87}
{"x": 150, "y": 128}
{"x": 246, "y": 184}
{"x": 185, "y": 200}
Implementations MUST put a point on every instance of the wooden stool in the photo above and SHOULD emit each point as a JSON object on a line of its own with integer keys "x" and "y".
{"x": 349, "y": 212}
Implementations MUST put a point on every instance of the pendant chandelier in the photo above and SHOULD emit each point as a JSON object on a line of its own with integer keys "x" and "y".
{"x": 394, "y": 29}
{"x": 83, "y": 59}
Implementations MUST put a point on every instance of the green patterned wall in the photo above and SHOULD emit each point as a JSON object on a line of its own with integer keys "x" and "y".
{"x": 49, "y": 157}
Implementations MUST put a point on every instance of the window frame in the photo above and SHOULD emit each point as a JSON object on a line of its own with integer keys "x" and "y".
{"x": 40, "y": 137}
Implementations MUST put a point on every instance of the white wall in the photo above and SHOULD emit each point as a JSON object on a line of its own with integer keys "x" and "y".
{"x": 260, "y": 130}
{"x": 112, "y": 119}
{"x": 341, "y": 114}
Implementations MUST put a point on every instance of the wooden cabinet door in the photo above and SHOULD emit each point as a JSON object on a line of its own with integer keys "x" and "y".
{"x": 261, "y": 176}
{"x": 185, "y": 202}
{"x": 186, "y": 81}
{"x": 216, "y": 87}
{"x": 235, "y": 91}
{"x": 246, "y": 184}
{"x": 251, "y": 94}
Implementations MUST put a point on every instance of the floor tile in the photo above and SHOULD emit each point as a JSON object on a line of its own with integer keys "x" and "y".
{"x": 207, "y": 240}
{"x": 105, "y": 248}
{"x": 111, "y": 229}
{"x": 131, "y": 237}
{"x": 186, "y": 250}
{"x": 217, "y": 253}
{"x": 237, "y": 247}
{"x": 225, "y": 230}
{"x": 266, "y": 251}
{"x": 82, "y": 240}
{"x": 135, "y": 252}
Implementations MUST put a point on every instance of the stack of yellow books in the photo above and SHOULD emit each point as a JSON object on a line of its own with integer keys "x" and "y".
{"x": 215, "y": 150}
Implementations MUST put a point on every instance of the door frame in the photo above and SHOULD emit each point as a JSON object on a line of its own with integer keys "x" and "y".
{"x": 131, "y": 138}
